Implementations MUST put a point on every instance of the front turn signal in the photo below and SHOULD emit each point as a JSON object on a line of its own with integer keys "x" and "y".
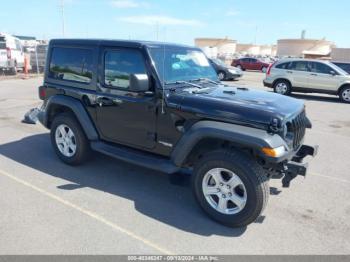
{"x": 274, "y": 152}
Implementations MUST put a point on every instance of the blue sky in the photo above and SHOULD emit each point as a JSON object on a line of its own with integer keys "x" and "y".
{"x": 180, "y": 21}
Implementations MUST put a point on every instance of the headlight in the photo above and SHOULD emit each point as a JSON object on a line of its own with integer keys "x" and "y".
{"x": 274, "y": 152}
{"x": 233, "y": 71}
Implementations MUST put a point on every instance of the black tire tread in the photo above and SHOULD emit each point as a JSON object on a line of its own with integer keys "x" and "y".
{"x": 236, "y": 156}
{"x": 83, "y": 150}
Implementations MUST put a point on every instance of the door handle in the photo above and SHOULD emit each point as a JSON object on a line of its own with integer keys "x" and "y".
{"x": 105, "y": 101}
{"x": 290, "y": 72}
{"x": 314, "y": 74}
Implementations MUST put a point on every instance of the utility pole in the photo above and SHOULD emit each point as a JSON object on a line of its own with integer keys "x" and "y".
{"x": 62, "y": 16}
{"x": 157, "y": 31}
{"x": 256, "y": 35}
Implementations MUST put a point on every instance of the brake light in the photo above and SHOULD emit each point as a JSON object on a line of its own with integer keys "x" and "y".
{"x": 42, "y": 92}
{"x": 8, "y": 53}
{"x": 268, "y": 72}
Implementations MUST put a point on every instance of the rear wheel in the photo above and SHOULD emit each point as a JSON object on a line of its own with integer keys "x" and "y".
{"x": 231, "y": 187}
{"x": 282, "y": 87}
{"x": 344, "y": 94}
{"x": 69, "y": 140}
{"x": 13, "y": 70}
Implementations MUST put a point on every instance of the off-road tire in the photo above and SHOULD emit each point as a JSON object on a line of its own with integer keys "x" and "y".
{"x": 83, "y": 150}
{"x": 251, "y": 174}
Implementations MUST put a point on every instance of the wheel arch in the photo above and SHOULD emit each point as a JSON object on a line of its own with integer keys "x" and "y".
{"x": 210, "y": 135}
{"x": 60, "y": 104}
{"x": 280, "y": 79}
{"x": 342, "y": 87}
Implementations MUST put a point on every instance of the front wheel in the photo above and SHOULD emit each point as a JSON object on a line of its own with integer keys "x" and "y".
{"x": 231, "y": 187}
{"x": 222, "y": 76}
{"x": 344, "y": 94}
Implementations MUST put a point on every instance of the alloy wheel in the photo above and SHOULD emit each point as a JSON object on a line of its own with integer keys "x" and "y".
{"x": 224, "y": 191}
{"x": 65, "y": 140}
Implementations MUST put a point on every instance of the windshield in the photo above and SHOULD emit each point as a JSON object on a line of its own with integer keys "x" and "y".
{"x": 339, "y": 69}
{"x": 181, "y": 64}
{"x": 219, "y": 62}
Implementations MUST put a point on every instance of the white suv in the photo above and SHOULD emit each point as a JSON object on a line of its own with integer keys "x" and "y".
{"x": 11, "y": 53}
{"x": 308, "y": 76}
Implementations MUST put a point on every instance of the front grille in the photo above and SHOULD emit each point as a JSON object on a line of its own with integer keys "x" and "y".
{"x": 297, "y": 127}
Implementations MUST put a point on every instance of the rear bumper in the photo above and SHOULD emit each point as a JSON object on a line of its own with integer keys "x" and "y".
{"x": 267, "y": 84}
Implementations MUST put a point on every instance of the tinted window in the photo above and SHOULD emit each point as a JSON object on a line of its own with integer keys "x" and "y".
{"x": 18, "y": 45}
{"x": 119, "y": 65}
{"x": 321, "y": 68}
{"x": 283, "y": 66}
{"x": 253, "y": 60}
{"x": 300, "y": 66}
{"x": 71, "y": 64}
{"x": 246, "y": 60}
{"x": 344, "y": 66}
{"x": 2, "y": 43}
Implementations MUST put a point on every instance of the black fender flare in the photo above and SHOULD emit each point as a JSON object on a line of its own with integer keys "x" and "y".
{"x": 77, "y": 108}
{"x": 244, "y": 136}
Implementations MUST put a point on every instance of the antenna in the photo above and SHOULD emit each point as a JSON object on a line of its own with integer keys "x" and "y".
{"x": 62, "y": 16}
{"x": 163, "y": 78}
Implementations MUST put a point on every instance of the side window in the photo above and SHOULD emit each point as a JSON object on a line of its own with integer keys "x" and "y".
{"x": 283, "y": 66}
{"x": 18, "y": 45}
{"x": 300, "y": 66}
{"x": 71, "y": 64}
{"x": 321, "y": 68}
{"x": 253, "y": 60}
{"x": 120, "y": 64}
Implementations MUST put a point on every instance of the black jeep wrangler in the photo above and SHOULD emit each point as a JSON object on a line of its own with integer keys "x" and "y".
{"x": 161, "y": 106}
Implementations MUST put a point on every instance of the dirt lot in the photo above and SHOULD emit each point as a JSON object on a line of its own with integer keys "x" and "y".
{"x": 109, "y": 207}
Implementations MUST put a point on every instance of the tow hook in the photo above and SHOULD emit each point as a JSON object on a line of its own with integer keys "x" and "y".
{"x": 292, "y": 170}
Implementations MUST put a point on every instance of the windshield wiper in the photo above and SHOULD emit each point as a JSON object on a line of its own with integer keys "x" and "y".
{"x": 205, "y": 79}
{"x": 183, "y": 83}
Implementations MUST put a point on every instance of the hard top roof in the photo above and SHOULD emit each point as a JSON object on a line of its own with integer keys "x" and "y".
{"x": 113, "y": 42}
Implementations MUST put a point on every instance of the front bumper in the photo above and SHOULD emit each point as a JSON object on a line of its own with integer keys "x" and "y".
{"x": 295, "y": 167}
{"x": 233, "y": 76}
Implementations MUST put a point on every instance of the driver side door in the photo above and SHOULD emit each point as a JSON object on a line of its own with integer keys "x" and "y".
{"x": 123, "y": 116}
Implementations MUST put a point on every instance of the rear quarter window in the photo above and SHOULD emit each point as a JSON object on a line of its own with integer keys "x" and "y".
{"x": 283, "y": 65}
{"x": 71, "y": 64}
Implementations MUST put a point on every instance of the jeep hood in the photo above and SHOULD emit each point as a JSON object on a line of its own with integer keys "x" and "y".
{"x": 234, "y": 104}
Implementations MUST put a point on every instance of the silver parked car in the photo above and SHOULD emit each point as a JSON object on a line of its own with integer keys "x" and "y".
{"x": 308, "y": 76}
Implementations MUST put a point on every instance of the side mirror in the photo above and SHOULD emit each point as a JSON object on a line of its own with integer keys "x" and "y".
{"x": 139, "y": 83}
{"x": 333, "y": 73}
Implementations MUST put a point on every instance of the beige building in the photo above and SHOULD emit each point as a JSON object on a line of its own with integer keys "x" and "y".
{"x": 304, "y": 47}
{"x": 250, "y": 49}
{"x": 341, "y": 55}
{"x": 223, "y": 46}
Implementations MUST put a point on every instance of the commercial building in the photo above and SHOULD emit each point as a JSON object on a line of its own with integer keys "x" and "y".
{"x": 310, "y": 48}
{"x": 218, "y": 46}
{"x": 341, "y": 55}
